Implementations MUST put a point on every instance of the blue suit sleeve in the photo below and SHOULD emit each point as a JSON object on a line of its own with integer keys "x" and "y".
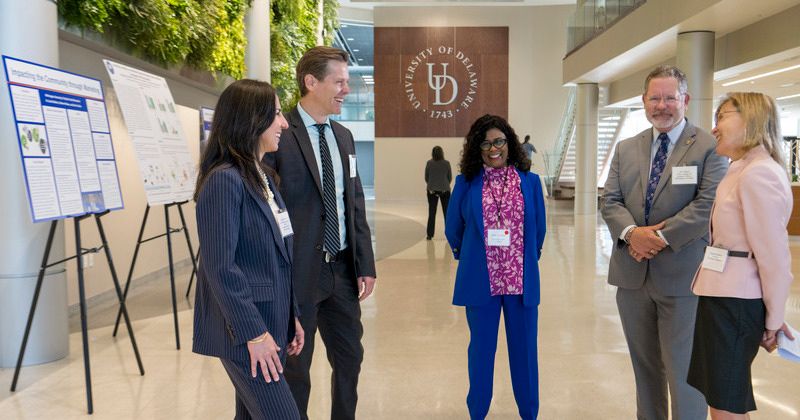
{"x": 218, "y": 218}
{"x": 541, "y": 223}
{"x": 454, "y": 225}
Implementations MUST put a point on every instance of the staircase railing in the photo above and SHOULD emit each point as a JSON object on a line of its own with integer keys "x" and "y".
{"x": 554, "y": 159}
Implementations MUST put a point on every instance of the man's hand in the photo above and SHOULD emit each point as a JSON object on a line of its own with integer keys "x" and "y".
{"x": 296, "y": 344}
{"x": 365, "y": 286}
{"x": 645, "y": 242}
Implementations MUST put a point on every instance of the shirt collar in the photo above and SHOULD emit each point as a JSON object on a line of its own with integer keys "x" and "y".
{"x": 307, "y": 120}
{"x": 673, "y": 134}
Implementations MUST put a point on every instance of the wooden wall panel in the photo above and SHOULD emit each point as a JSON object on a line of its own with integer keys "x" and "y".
{"x": 468, "y": 66}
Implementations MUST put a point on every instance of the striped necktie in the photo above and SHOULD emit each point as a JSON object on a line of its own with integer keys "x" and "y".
{"x": 659, "y": 161}
{"x": 328, "y": 194}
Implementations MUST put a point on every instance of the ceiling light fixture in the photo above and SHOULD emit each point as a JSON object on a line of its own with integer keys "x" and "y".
{"x": 788, "y": 97}
{"x": 758, "y": 76}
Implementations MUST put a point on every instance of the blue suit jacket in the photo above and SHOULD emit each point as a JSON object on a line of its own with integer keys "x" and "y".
{"x": 244, "y": 279}
{"x": 464, "y": 231}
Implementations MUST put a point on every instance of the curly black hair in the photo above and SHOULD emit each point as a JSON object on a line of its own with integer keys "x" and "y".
{"x": 471, "y": 161}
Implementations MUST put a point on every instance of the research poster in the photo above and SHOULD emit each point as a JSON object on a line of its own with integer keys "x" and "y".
{"x": 206, "y": 118}
{"x": 162, "y": 153}
{"x": 64, "y": 141}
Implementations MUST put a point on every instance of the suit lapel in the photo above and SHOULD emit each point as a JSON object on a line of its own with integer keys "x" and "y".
{"x": 344, "y": 153}
{"x": 645, "y": 139}
{"x": 260, "y": 199}
{"x": 300, "y": 133}
{"x": 477, "y": 202}
{"x": 683, "y": 144}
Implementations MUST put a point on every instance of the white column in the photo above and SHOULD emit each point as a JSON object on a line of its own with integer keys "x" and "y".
{"x": 256, "y": 52}
{"x": 28, "y": 31}
{"x": 695, "y": 57}
{"x": 586, "y": 149}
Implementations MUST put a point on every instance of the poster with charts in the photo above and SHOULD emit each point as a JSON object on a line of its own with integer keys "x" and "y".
{"x": 164, "y": 158}
{"x": 64, "y": 141}
{"x": 206, "y": 119}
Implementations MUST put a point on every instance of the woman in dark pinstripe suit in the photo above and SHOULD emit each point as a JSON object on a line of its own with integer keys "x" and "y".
{"x": 245, "y": 309}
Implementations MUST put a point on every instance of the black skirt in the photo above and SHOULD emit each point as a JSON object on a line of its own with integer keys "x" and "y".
{"x": 726, "y": 337}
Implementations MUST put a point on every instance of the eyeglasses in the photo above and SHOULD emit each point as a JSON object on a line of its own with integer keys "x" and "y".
{"x": 497, "y": 143}
{"x": 721, "y": 114}
{"x": 669, "y": 100}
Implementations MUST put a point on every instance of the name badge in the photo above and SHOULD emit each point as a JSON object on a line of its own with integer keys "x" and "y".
{"x": 352, "y": 166}
{"x": 499, "y": 237}
{"x": 684, "y": 175}
{"x": 284, "y": 224}
{"x": 715, "y": 259}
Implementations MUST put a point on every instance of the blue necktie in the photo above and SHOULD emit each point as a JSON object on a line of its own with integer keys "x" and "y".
{"x": 659, "y": 161}
{"x": 328, "y": 194}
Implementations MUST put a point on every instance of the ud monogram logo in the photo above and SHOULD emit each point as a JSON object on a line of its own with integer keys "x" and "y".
{"x": 440, "y": 82}
{"x": 444, "y": 99}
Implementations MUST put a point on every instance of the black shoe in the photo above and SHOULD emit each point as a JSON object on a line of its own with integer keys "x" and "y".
{"x": 428, "y": 238}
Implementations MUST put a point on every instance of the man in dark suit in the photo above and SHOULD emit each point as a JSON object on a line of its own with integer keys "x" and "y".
{"x": 334, "y": 266}
{"x": 658, "y": 198}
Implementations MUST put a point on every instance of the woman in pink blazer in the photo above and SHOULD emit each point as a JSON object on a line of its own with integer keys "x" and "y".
{"x": 743, "y": 291}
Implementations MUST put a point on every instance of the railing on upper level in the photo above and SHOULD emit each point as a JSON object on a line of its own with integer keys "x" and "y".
{"x": 592, "y": 17}
{"x": 553, "y": 159}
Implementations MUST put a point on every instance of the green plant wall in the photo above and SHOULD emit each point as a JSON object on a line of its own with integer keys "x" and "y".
{"x": 207, "y": 35}
{"x": 293, "y": 31}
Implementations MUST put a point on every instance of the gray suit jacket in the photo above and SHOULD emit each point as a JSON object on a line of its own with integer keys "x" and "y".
{"x": 684, "y": 208}
{"x": 301, "y": 187}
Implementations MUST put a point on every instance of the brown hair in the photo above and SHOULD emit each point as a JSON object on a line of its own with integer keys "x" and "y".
{"x": 662, "y": 72}
{"x": 315, "y": 62}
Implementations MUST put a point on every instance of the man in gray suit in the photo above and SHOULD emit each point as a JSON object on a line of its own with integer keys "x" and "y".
{"x": 334, "y": 267}
{"x": 657, "y": 202}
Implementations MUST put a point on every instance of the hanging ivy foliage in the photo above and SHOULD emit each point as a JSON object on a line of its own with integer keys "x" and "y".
{"x": 293, "y": 31}
{"x": 208, "y": 35}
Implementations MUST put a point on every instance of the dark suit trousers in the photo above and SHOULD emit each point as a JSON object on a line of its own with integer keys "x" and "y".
{"x": 257, "y": 399}
{"x": 336, "y": 312}
{"x": 432, "y": 199}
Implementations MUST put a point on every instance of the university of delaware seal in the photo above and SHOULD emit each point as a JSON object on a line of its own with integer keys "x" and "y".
{"x": 448, "y": 93}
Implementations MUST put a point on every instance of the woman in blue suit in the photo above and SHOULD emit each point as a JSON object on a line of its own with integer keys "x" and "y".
{"x": 496, "y": 225}
{"x": 245, "y": 310}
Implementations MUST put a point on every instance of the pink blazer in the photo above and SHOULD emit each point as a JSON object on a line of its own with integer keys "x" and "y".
{"x": 750, "y": 213}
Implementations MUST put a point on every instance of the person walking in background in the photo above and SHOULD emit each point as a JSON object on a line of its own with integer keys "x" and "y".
{"x": 245, "y": 308}
{"x": 438, "y": 176}
{"x": 335, "y": 267}
{"x": 743, "y": 298}
{"x": 496, "y": 227}
{"x": 656, "y": 204}
{"x": 530, "y": 149}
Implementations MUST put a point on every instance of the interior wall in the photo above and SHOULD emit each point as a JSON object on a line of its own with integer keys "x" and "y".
{"x": 122, "y": 226}
{"x": 537, "y": 44}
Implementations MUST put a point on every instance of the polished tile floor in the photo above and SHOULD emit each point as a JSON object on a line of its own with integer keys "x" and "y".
{"x": 415, "y": 341}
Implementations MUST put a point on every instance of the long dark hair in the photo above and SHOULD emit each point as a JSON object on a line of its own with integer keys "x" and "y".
{"x": 245, "y": 109}
{"x": 471, "y": 161}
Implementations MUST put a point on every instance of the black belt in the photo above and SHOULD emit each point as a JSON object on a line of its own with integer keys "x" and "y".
{"x": 741, "y": 254}
{"x": 330, "y": 258}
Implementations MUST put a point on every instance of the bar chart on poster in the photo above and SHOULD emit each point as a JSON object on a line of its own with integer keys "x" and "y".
{"x": 64, "y": 141}
{"x": 159, "y": 143}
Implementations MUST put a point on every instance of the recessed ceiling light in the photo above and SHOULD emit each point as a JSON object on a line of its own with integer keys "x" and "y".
{"x": 356, "y": 50}
{"x": 758, "y": 76}
{"x": 350, "y": 39}
{"x": 360, "y": 59}
{"x": 788, "y": 84}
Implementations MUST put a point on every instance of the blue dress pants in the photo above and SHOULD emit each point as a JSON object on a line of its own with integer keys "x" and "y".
{"x": 521, "y": 329}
